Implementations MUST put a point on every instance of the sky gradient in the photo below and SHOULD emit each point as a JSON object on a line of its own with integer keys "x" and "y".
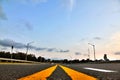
{"x": 61, "y": 28}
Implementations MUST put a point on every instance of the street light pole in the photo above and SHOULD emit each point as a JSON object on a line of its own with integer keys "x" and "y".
{"x": 27, "y": 47}
{"x": 88, "y": 53}
{"x": 93, "y": 50}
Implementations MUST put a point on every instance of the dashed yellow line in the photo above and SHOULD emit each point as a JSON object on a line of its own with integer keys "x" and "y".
{"x": 75, "y": 75}
{"x": 42, "y": 75}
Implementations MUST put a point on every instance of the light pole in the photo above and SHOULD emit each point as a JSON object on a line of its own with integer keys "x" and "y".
{"x": 93, "y": 50}
{"x": 27, "y": 47}
{"x": 11, "y": 52}
{"x": 88, "y": 53}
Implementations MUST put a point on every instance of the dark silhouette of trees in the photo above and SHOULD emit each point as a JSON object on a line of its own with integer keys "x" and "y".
{"x": 32, "y": 57}
{"x": 5, "y": 54}
{"x": 65, "y": 61}
{"x": 105, "y": 57}
{"x": 19, "y": 55}
{"x": 76, "y": 61}
{"x": 22, "y": 56}
{"x": 41, "y": 59}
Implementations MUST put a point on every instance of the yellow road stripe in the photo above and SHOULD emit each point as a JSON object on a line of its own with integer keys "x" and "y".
{"x": 42, "y": 75}
{"x": 75, "y": 75}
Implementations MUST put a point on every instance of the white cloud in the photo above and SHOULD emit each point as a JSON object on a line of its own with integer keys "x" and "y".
{"x": 32, "y": 1}
{"x": 38, "y": 1}
{"x": 2, "y": 14}
{"x": 69, "y": 4}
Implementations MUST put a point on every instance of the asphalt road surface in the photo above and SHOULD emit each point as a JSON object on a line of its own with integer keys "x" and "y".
{"x": 16, "y": 71}
{"x": 62, "y": 75}
{"x": 98, "y": 74}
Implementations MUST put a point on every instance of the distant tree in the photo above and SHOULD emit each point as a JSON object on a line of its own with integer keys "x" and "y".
{"x": 2, "y": 54}
{"x": 76, "y": 61}
{"x": 83, "y": 60}
{"x": 31, "y": 57}
{"x": 65, "y": 61}
{"x": 41, "y": 59}
{"x": 105, "y": 57}
{"x": 48, "y": 60}
{"x": 5, "y": 54}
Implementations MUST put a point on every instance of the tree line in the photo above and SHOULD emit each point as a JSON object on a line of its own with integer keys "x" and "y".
{"x": 32, "y": 57}
{"x": 22, "y": 56}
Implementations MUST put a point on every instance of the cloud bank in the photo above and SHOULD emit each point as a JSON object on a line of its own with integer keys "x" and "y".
{"x": 9, "y": 43}
{"x": 77, "y": 53}
{"x": 69, "y": 4}
{"x": 32, "y": 1}
{"x": 117, "y": 53}
{"x": 28, "y": 25}
{"x": 97, "y": 38}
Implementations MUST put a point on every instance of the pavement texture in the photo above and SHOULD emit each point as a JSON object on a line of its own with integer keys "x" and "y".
{"x": 59, "y": 74}
{"x": 97, "y": 74}
{"x": 16, "y": 71}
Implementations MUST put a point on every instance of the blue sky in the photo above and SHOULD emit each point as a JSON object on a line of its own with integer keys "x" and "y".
{"x": 67, "y": 25}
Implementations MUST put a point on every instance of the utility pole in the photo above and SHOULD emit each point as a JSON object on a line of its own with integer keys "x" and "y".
{"x": 27, "y": 48}
{"x": 93, "y": 50}
{"x": 11, "y": 52}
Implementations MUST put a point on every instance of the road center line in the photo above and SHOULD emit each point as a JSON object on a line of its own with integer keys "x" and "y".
{"x": 75, "y": 75}
{"x": 100, "y": 70}
{"x": 42, "y": 75}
